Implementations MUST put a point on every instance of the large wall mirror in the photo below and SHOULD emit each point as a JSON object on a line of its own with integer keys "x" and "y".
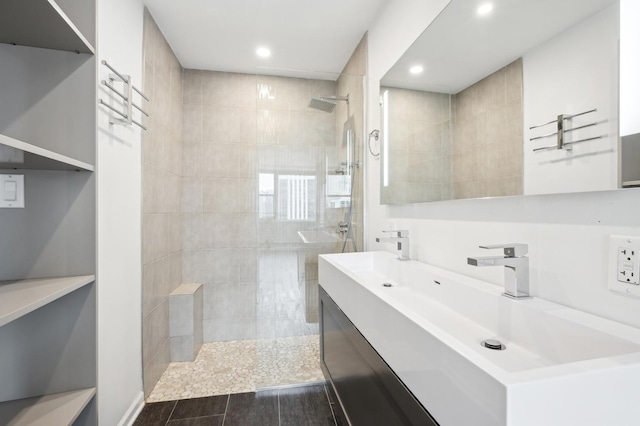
{"x": 510, "y": 97}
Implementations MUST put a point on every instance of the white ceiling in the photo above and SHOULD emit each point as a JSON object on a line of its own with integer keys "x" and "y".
{"x": 460, "y": 48}
{"x": 312, "y": 39}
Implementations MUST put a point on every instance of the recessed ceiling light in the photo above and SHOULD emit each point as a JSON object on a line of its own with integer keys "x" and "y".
{"x": 263, "y": 52}
{"x": 416, "y": 69}
{"x": 485, "y": 8}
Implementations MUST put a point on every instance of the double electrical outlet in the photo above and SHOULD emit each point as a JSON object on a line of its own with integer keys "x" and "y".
{"x": 624, "y": 265}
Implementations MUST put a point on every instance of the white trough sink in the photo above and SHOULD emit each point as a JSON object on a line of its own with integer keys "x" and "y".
{"x": 560, "y": 367}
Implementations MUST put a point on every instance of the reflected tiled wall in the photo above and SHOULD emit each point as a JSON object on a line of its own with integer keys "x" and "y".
{"x": 162, "y": 224}
{"x": 468, "y": 145}
{"x": 488, "y": 148}
{"x": 419, "y": 147}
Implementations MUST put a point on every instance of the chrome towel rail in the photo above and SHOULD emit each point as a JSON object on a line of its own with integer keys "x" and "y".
{"x": 127, "y": 97}
{"x": 565, "y": 117}
{"x": 567, "y": 143}
{"x": 561, "y": 131}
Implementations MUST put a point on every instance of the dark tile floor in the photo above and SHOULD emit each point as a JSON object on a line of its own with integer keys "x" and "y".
{"x": 307, "y": 405}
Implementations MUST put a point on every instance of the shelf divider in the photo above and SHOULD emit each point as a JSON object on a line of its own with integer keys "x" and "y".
{"x": 40, "y": 23}
{"x": 54, "y": 409}
{"x": 19, "y": 297}
{"x": 36, "y": 158}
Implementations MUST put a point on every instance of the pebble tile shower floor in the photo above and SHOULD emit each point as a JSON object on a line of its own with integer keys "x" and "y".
{"x": 241, "y": 366}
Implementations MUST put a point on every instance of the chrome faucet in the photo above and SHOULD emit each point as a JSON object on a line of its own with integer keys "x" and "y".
{"x": 516, "y": 271}
{"x": 402, "y": 240}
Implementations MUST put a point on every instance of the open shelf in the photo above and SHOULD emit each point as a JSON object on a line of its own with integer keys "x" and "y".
{"x": 20, "y": 297}
{"x": 22, "y": 155}
{"x": 55, "y": 409}
{"x": 40, "y": 23}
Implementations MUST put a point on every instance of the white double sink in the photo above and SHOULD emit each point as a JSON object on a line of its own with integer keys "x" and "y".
{"x": 561, "y": 366}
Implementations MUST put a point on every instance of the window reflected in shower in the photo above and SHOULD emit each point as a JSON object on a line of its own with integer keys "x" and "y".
{"x": 287, "y": 197}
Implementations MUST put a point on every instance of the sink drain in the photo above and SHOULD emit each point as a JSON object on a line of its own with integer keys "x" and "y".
{"x": 493, "y": 344}
{"x": 387, "y": 285}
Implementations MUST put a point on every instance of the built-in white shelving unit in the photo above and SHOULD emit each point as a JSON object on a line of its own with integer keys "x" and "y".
{"x": 27, "y": 156}
{"x": 48, "y": 248}
{"x": 54, "y": 28}
{"x": 56, "y": 409}
{"x": 23, "y": 296}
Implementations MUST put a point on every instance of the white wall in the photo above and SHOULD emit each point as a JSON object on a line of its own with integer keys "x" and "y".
{"x": 574, "y": 72}
{"x": 567, "y": 234}
{"x": 629, "y": 67}
{"x": 119, "y": 172}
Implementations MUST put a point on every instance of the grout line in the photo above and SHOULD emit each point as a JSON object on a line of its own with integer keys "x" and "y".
{"x": 226, "y": 408}
{"x": 279, "y": 421}
{"x": 199, "y": 417}
{"x": 175, "y": 403}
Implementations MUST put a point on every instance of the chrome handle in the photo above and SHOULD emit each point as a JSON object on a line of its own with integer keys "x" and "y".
{"x": 510, "y": 250}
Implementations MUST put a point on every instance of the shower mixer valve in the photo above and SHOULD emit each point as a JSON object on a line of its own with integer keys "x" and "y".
{"x": 343, "y": 227}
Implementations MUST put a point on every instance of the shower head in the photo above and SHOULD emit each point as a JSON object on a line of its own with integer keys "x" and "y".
{"x": 327, "y": 103}
{"x": 322, "y": 104}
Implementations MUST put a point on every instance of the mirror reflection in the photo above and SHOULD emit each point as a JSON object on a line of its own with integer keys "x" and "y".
{"x": 520, "y": 100}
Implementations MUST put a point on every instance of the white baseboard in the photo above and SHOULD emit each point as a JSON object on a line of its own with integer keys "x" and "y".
{"x": 133, "y": 411}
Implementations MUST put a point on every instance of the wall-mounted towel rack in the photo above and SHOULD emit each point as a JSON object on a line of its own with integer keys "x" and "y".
{"x": 561, "y": 131}
{"x": 127, "y": 97}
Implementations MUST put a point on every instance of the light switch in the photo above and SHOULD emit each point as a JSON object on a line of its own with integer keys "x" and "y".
{"x": 12, "y": 191}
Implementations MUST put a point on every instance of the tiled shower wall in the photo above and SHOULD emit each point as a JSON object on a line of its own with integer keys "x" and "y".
{"x": 488, "y": 117}
{"x": 162, "y": 225}
{"x": 237, "y": 126}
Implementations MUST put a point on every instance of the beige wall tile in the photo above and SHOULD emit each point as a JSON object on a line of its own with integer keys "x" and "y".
{"x": 465, "y": 135}
{"x": 514, "y": 80}
{"x": 192, "y": 231}
{"x": 192, "y": 87}
{"x": 192, "y": 195}
{"x": 155, "y": 276}
{"x": 162, "y": 197}
{"x": 492, "y": 127}
{"x": 465, "y": 167}
{"x": 465, "y": 103}
{"x": 154, "y": 369}
{"x": 154, "y": 331}
{"x": 229, "y": 89}
{"x": 428, "y": 138}
{"x": 192, "y": 160}
{"x": 192, "y": 123}
{"x": 431, "y": 107}
{"x": 229, "y": 161}
{"x": 491, "y": 162}
{"x": 473, "y": 189}
{"x": 230, "y": 301}
{"x": 229, "y": 230}
{"x": 491, "y": 91}
{"x": 222, "y": 330}
{"x": 230, "y": 195}
{"x": 514, "y": 157}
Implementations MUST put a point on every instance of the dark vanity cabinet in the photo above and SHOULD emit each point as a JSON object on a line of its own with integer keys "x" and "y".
{"x": 367, "y": 389}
